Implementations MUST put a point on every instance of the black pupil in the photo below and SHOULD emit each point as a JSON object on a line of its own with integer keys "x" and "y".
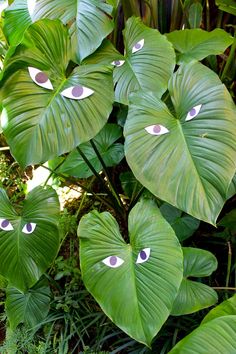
{"x": 29, "y": 227}
{"x": 143, "y": 255}
{"x": 5, "y": 223}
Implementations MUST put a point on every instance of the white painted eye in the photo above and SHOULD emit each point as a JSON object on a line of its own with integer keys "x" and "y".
{"x": 138, "y": 46}
{"x": 40, "y": 78}
{"x": 5, "y": 225}
{"x": 113, "y": 261}
{"x": 29, "y": 228}
{"x": 193, "y": 113}
{"x": 77, "y": 92}
{"x": 118, "y": 63}
{"x": 156, "y": 129}
{"x": 143, "y": 255}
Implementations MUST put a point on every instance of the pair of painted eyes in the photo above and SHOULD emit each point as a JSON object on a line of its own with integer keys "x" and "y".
{"x": 115, "y": 262}
{"x": 138, "y": 46}
{"x": 75, "y": 92}
{"x": 158, "y": 129}
{"x": 7, "y": 226}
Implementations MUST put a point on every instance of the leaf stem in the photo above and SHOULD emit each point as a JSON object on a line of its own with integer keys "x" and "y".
{"x": 230, "y": 58}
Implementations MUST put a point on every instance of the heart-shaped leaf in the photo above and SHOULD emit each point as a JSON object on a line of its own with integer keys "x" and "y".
{"x": 135, "y": 284}
{"x": 217, "y": 336}
{"x": 112, "y": 153}
{"x": 187, "y": 157}
{"x": 30, "y": 307}
{"x": 194, "y": 296}
{"x": 29, "y": 240}
{"x": 226, "y": 308}
{"x": 89, "y": 20}
{"x": 197, "y": 44}
{"x": 148, "y": 63}
{"x": 55, "y": 116}
{"x": 183, "y": 225}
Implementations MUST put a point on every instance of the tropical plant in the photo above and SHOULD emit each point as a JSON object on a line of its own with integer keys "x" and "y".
{"x": 70, "y": 87}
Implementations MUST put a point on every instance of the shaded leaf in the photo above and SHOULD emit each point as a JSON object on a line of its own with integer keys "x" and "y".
{"x": 30, "y": 307}
{"x": 195, "y": 15}
{"x": 194, "y": 296}
{"x": 197, "y": 44}
{"x": 26, "y": 255}
{"x": 112, "y": 153}
{"x": 227, "y": 6}
{"x": 192, "y": 164}
{"x": 138, "y": 292}
{"x": 89, "y": 21}
{"x": 130, "y": 184}
{"x": 217, "y": 336}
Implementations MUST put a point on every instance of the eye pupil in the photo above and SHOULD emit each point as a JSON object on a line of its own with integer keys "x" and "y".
{"x": 29, "y": 227}
{"x": 143, "y": 255}
{"x": 192, "y": 112}
{"x": 41, "y": 78}
{"x": 77, "y": 91}
{"x": 117, "y": 62}
{"x": 137, "y": 46}
{"x": 113, "y": 260}
{"x": 157, "y": 129}
{"x": 5, "y": 223}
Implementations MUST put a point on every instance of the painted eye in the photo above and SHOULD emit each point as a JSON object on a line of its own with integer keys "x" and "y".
{"x": 40, "y": 78}
{"x": 118, "y": 62}
{"x": 5, "y": 225}
{"x": 138, "y": 46}
{"x": 113, "y": 261}
{"x": 156, "y": 129}
{"x": 77, "y": 92}
{"x": 143, "y": 255}
{"x": 193, "y": 113}
{"x": 29, "y": 228}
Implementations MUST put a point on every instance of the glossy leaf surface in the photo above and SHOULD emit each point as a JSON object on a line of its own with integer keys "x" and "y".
{"x": 226, "y": 308}
{"x": 136, "y": 290}
{"x": 89, "y": 20}
{"x": 27, "y": 252}
{"x": 192, "y": 165}
{"x": 46, "y": 119}
{"x": 148, "y": 68}
{"x": 194, "y": 296}
{"x": 111, "y": 153}
{"x": 217, "y": 336}
{"x": 197, "y": 44}
{"x": 30, "y": 307}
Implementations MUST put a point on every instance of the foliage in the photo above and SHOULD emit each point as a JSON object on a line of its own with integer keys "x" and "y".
{"x": 129, "y": 103}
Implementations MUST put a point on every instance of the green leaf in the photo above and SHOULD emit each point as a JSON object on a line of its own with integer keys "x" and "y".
{"x": 217, "y": 336}
{"x": 183, "y": 225}
{"x": 195, "y": 15}
{"x": 193, "y": 163}
{"x": 136, "y": 296}
{"x": 148, "y": 68}
{"x": 26, "y": 255}
{"x": 130, "y": 185}
{"x": 89, "y": 20}
{"x": 227, "y": 6}
{"x": 50, "y": 123}
{"x": 229, "y": 221}
{"x": 194, "y": 296}
{"x": 197, "y": 44}
{"x": 232, "y": 188}
{"x": 226, "y": 308}
{"x": 112, "y": 153}
{"x": 30, "y": 307}
{"x": 16, "y": 20}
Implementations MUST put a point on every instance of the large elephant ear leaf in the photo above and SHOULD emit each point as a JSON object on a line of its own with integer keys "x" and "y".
{"x": 148, "y": 63}
{"x": 29, "y": 240}
{"x": 89, "y": 20}
{"x": 185, "y": 155}
{"x": 217, "y": 336}
{"x": 64, "y": 111}
{"x": 194, "y": 296}
{"x": 135, "y": 284}
{"x": 30, "y": 307}
{"x": 197, "y": 44}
